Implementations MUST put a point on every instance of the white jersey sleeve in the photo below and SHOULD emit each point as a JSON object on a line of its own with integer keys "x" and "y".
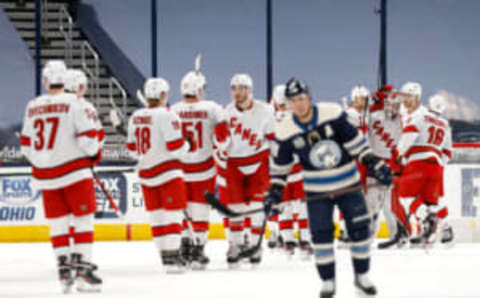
{"x": 26, "y": 136}
{"x": 447, "y": 148}
{"x": 172, "y": 133}
{"x": 85, "y": 121}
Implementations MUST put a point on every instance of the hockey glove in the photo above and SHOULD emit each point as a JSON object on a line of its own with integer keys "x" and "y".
{"x": 380, "y": 171}
{"x": 273, "y": 200}
{"x": 191, "y": 141}
{"x": 96, "y": 158}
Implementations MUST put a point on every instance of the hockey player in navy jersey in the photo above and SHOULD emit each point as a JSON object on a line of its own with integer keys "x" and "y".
{"x": 327, "y": 145}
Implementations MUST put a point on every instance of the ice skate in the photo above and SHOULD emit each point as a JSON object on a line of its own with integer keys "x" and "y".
{"x": 65, "y": 274}
{"x": 233, "y": 256}
{"x": 290, "y": 248}
{"x": 173, "y": 262}
{"x": 186, "y": 249}
{"x": 328, "y": 289}
{"x": 256, "y": 258}
{"x": 448, "y": 238}
{"x": 306, "y": 250}
{"x": 364, "y": 286}
{"x": 85, "y": 278}
{"x": 199, "y": 259}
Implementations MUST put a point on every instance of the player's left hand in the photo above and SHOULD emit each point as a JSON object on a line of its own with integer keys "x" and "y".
{"x": 96, "y": 158}
{"x": 273, "y": 200}
{"x": 381, "y": 172}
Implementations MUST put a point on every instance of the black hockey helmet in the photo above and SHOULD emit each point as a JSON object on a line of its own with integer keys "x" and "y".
{"x": 295, "y": 87}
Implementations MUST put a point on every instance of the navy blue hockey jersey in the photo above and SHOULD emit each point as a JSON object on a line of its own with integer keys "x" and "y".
{"x": 327, "y": 148}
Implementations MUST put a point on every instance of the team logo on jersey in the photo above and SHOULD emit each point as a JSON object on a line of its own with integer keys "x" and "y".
{"x": 313, "y": 137}
{"x": 325, "y": 154}
{"x": 298, "y": 143}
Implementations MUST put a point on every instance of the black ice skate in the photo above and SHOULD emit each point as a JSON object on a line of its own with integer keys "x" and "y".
{"x": 399, "y": 239}
{"x": 364, "y": 286}
{"x": 447, "y": 237}
{"x": 233, "y": 256}
{"x": 328, "y": 289}
{"x": 65, "y": 274}
{"x": 85, "y": 279}
{"x": 186, "y": 246}
{"x": 290, "y": 247}
{"x": 256, "y": 258}
{"x": 173, "y": 261}
{"x": 306, "y": 250}
{"x": 199, "y": 259}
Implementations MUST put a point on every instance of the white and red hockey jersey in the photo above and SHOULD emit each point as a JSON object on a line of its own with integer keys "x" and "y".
{"x": 383, "y": 134}
{"x": 60, "y": 136}
{"x": 425, "y": 136}
{"x": 251, "y": 131}
{"x": 155, "y": 139}
{"x": 357, "y": 119}
{"x": 204, "y": 121}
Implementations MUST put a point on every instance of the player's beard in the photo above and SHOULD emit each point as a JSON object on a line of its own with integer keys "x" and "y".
{"x": 242, "y": 102}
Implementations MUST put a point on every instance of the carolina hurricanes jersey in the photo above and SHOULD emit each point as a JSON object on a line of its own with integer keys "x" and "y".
{"x": 60, "y": 136}
{"x": 251, "y": 131}
{"x": 425, "y": 136}
{"x": 356, "y": 119}
{"x": 155, "y": 139}
{"x": 383, "y": 134}
{"x": 199, "y": 119}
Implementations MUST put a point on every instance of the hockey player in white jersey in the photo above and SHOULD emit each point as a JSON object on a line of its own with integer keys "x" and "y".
{"x": 357, "y": 111}
{"x": 247, "y": 177}
{"x": 76, "y": 82}
{"x": 205, "y": 122}
{"x": 60, "y": 140}
{"x": 423, "y": 145}
{"x": 155, "y": 139}
{"x": 383, "y": 133}
{"x": 294, "y": 194}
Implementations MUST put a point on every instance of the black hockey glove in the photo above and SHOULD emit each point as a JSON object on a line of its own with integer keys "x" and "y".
{"x": 273, "y": 200}
{"x": 380, "y": 171}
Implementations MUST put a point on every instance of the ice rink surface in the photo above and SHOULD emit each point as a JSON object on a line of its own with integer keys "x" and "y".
{"x": 133, "y": 269}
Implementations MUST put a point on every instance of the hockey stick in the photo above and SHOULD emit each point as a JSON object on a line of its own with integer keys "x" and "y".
{"x": 197, "y": 63}
{"x": 141, "y": 98}
{"x": 119, "y": 214}
{"x": 216, "y": 204}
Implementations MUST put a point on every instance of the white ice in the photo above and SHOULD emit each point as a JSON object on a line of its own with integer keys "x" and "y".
{"x": 133, "y": 269}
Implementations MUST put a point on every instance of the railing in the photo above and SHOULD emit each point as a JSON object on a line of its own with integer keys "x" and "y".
{"x": 113, "y": 83}
{"x": 66, "y": 31}
{"x": 93, "y": 74}
{"x": 44, "y": 19}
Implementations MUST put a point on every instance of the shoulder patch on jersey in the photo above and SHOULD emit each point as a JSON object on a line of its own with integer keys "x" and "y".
{"x": 328, "y": 111}
{"x": 286, "y": 128}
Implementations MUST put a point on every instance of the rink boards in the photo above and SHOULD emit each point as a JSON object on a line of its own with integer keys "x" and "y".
{"x": 22, "y": 217}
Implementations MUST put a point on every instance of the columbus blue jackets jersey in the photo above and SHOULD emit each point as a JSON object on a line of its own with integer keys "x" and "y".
{"x": 327, "y": 147}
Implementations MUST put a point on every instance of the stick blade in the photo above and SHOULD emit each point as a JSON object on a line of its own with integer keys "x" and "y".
{"x": 216, "y": 204}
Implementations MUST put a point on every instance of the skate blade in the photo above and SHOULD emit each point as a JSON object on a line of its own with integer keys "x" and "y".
{"x": 362, "y": 294}
{"x": 175, "y": 270}
{"x": 198, "y": 266}
{"x": 89, "y": 288}
{"x": 233, "y": 266}
{"x": 67, "y": 288}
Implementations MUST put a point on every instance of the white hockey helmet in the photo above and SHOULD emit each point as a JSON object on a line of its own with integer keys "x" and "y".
{"x": 242, "y": 79}
{"x": 154, "y": 87}
{"x": 54, "y": 72}
{"x": 192, "y": 83}
{"x": 412, "y": 88}
{"x": 74, "y": 78}
{"x": 437, "y": 103}
{"x": 359, "y": 91}
{"x": 279, "y": 97}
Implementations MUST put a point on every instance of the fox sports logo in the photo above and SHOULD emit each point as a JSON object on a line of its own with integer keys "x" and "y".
{"x": 325, "y": 154}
